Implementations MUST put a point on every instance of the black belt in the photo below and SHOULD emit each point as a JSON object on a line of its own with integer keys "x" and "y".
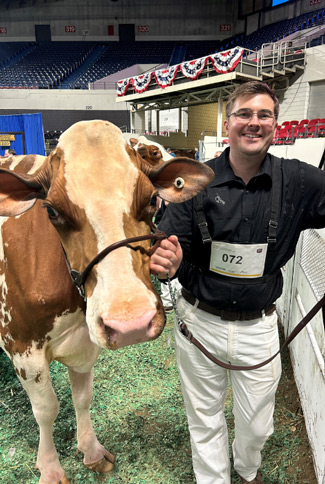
{"x": 228, "y": 315}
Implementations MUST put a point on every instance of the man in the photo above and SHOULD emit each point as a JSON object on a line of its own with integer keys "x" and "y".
{"x": 170, "y": 152}
{"x": 253, "y": 212}
{"x": 9, "y": 152}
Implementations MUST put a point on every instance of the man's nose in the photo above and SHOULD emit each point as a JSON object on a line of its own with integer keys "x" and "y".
{"x": 252, "y": 120}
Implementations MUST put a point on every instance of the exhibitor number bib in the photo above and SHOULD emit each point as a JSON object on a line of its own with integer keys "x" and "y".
{"x": 238, "y": 260}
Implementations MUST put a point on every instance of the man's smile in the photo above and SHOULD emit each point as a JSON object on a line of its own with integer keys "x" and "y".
{"x": 252, "y": 135}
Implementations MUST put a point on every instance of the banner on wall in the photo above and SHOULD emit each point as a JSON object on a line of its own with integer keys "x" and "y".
{"x": 222, "y": 63}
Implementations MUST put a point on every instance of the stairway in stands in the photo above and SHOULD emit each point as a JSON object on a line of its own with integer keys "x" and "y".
{"x": 70, "y": 81}
{"x": 178, "y": 54}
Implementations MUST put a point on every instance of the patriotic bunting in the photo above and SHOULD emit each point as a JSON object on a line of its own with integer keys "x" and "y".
{"x": 226, "y": 61}
{"x": 141, "y": 83}
{"x": 122, "y": 86}
{"x": 222, "y": 62}
{"x": 193, "y": 69}
{"x": 165, "y": 77}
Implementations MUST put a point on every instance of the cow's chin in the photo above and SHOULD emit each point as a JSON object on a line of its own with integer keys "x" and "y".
{"x": 115, "y": 334}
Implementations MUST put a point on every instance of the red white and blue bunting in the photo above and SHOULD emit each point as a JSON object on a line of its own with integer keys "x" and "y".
{"x": 165, "y": 77}
{"x": 192, "y": 69}
{"x": 226, "y": 61}
{"x": 222, "y": 62}
{"x": 141, "y": 83}
{"x": 122, "y": 86}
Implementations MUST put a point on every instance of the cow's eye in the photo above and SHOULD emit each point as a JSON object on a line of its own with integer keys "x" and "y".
{"x": 179, "y": 182}
{"x": 53, "y": 214}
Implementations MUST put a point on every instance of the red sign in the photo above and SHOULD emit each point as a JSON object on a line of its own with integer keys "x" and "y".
{"x": 3, "y": 30}
{"x": 70, "y": 28}
{"x": 315, "y": 2}
{"x": 225, "y": 27}
{"x": 143, "y": 28}
{"x": 110, "y": 30}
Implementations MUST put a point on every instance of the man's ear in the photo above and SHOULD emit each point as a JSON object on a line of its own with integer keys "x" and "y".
{"x": 226, "y": 125}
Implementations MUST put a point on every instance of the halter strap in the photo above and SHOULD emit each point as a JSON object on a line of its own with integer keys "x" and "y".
{"x": 79, "y": 278}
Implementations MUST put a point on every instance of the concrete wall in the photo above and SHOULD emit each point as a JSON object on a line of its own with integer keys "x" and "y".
{"x": 61, "y": 108}
{"x": 158, "y": 20}
{"x": 201, "y": 119}
{"x": 59, "y": 99}
{"x": 294, "y": 100}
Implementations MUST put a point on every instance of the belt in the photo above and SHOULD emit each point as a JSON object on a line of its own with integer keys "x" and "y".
{"x": 228, "y": 315}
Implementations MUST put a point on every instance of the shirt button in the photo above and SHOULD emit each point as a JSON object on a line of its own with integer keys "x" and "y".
{"x": 246, "y": 219}
{"x": 234, "y": 302}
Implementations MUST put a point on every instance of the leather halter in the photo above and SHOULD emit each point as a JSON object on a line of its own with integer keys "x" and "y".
{"x": 79, "y": 278}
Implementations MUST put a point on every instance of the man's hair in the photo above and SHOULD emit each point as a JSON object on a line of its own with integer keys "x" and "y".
{"x": 252, "y": 88}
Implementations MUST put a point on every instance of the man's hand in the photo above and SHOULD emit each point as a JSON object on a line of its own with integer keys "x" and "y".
{"x": 166, "y": 257}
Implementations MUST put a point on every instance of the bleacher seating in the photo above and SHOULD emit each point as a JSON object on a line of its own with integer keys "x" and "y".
{"x": 54, "y": 65}
{"x": 289, "y": 131}
{"x": 120, "y": 55}
{"x": 8, "y": 50}
{"x": 45, "y": 64}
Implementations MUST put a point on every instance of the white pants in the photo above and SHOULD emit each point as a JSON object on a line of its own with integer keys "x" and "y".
{"x": 204, "y": 387}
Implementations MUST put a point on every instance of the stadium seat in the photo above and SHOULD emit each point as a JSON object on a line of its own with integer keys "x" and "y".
{"x": 300, "y": 132}
{"x": 320, "y": 128}
{"x": 311, "y": 128}
{"x": 285, "y": 124}
{"x": 284, "y": 136}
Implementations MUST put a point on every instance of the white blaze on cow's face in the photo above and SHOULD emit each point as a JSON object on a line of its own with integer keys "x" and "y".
{"x": 101, "y": 180}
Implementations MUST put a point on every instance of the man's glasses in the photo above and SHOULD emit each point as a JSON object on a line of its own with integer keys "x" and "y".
{"x": 246, "y": 115}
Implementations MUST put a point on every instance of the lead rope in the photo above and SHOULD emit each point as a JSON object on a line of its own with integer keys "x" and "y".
{"x": 173, "y": 300}
{"x": 188, "y": 335}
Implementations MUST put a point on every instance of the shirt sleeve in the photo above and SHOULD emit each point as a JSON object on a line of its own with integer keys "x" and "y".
{"x": 178, "y": 220}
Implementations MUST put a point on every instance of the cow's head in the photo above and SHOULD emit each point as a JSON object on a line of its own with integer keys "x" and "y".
{"x": 150, "y": 150}
{"x": 97, "y": 190}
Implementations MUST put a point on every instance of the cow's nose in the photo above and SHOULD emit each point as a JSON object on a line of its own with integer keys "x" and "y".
{"x": 122, "y": 333}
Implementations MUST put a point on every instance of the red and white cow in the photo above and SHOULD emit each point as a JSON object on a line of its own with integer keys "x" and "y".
{"x": 150, "y": 150}
{"x": 91, "y": 192}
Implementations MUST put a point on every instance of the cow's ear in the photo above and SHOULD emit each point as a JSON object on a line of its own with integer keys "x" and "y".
{"x": 180, "y": 179}
{"x": 18, "y": 193}
{"x": 133, "y": 142}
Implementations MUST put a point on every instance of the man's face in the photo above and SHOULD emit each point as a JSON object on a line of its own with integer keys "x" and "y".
{"x": 251, "y": 137}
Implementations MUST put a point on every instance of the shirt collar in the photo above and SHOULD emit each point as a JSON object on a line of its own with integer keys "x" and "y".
{"x": 224, "y": 173}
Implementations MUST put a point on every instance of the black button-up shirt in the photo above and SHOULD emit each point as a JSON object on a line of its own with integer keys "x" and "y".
{"x": 240, "y": 214}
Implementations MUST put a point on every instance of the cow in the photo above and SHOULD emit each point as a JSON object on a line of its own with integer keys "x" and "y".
{"x": 150, "y": 150}
{"x": 76, "y": 231}
{"x": 188, "y": 153}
